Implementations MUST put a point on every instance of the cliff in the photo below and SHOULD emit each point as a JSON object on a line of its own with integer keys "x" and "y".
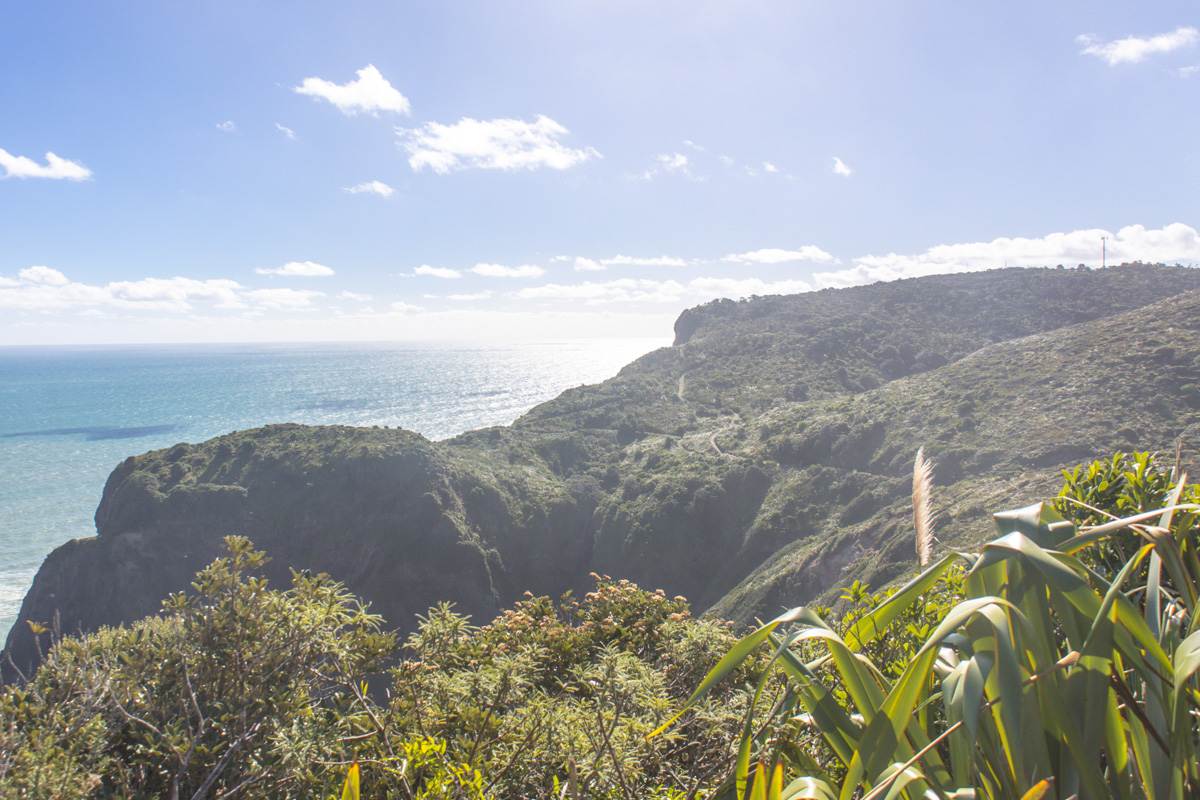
{"x": 759, "y": 462}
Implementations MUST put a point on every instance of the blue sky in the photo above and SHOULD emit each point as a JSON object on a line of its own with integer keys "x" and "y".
{"x": 618, "y": 161}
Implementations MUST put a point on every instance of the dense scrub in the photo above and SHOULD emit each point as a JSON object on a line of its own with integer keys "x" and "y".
{"x": 1059, "y": 660}
{"x": 238, "y": 689}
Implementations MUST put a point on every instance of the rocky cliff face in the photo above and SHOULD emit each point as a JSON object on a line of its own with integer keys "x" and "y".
{"x": 757, "y": 463}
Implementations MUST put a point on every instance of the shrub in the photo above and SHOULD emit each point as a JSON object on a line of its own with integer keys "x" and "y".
{"x": 563, "y": 694}
{"x": 238, "y": 689}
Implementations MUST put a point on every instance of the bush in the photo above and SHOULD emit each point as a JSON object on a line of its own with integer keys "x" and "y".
{"x": 234, "y": 689}
{"x": 237, "y": 689}
{"x": 555, "y": 693}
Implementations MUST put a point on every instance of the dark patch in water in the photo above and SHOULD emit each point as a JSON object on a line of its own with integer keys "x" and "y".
{"x": 97, "y": 434}
{"x": 488, "y": 393}
{"x": 333, "y": 405}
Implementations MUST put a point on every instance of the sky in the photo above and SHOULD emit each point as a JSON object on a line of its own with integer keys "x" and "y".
{"x": 533, "y": 170}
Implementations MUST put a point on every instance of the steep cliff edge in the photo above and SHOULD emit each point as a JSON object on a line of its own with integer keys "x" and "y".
{"x": 758, "y": 462}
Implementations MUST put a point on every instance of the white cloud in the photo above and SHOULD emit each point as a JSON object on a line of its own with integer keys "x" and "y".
{"x": 500, "y": 144}
{"x": 501, "y": 271}
{"x": 1133, "y": 49}
{"x": 745, "y": 287}
{"x": 1176, "y": 242}
{"x": 469, "y": 298}
{"x": 285, "y": 130}
{"x": 643, "y": 261}
{"x": 1171, "y": 243}
{"x": 583, "y": 264}
{"x": 44, "y": 289}
{"x": 282, "y": 298}
{"x": 437, "y": 272}
{"x": 370, "y": 92}
{"x": 47, "y": 276}
{"x": 371, "y": 187}
{"x": 841, "y": 168}
{"x": 672, "y": 162}
{"x": 404, "y": 308}
{"x": 228, "y": 126}
{"x": 667, "y": 292}
{"x": 769, "y": 167}
{"x": 588, "y": 265}
{"x": 669, "y": 164}
{"x": 298, "y": 269}
{"x": 357, "y": 297}
{"x": 1189, "y": 71}
{"x": 174, "y": 293}
{"x": 775, "y": 255}
{"x": 55, "y": 168}
{"x": 726, "y": 160}
{"x": 622, "y": 290}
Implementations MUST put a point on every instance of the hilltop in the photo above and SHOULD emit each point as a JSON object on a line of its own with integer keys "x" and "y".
{"x": 760, "y": 461}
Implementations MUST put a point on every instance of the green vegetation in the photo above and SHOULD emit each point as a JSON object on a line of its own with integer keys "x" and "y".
{"x": 237, "y": 689}
{"x": 1058, "y": 672}
{"x": 1058, "y": 660}
{"x": 760, "y": 463}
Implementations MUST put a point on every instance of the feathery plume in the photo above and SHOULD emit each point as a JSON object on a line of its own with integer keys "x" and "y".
{"x": 922, "y": 499}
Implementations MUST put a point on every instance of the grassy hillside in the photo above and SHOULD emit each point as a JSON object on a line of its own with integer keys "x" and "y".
{"x": 757, "y": 463}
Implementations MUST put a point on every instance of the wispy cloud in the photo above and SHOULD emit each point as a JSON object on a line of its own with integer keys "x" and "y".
{"x": 444, "y": 273}
{"x": 665, "y": 292}
{"x": 357, "y": 297}
{"x": 629, "y": 290}
{"x": 1134, "y": 49}
{"x": 841, "y": 168}
{"x": 775, "y": 255}
{"x": 669, "y": 164}
{"x": 286, "y": 131}
{"x": 583, "y": 264}
{"x": 704, "y": 157}
{"x": 493, "y": 144}
{"x": 501, "y": 271}
{"x": 282, "y": 298}
{"x": 1171, "y": 243}
{"x": 369, "y": 93}
{"x": 228, "y": 126}
{"x": 1176, "y": 242}
{"x": 55, "y": 168}
{"x": 371, "y": 187}
{"x": 298, "y": 269}
{"x": 45, "y": 289}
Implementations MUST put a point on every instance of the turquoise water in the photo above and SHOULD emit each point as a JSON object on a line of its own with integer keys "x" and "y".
{"x": 69, "y": 415}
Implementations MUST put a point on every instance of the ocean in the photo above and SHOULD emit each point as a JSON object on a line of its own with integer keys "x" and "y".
{"x": 69, "y": 415}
